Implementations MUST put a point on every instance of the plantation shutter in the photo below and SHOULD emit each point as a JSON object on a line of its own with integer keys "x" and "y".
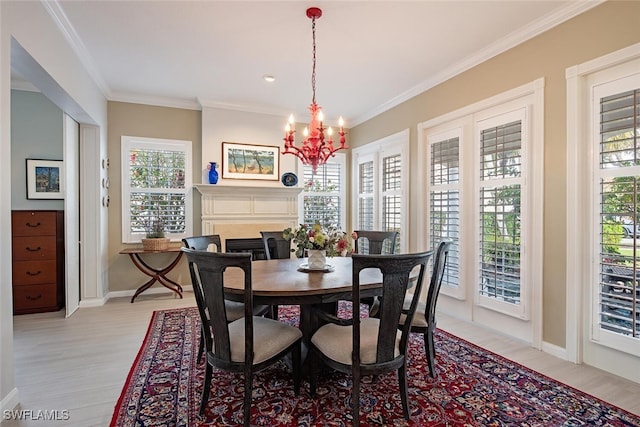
{"x": 366, "y": 219}
{"x": 499, "y": 207}
{"x": 392, "y": 195}
{"x": 322, "y": 196}
{"x": 444, "y": 195}
{"x": 619, "y": 290}
{"x": 156, "y": 187}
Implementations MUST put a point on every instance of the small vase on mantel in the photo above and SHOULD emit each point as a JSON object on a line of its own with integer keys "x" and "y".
{"x": 317, "y": 259}
{"x": 213, "y": 173}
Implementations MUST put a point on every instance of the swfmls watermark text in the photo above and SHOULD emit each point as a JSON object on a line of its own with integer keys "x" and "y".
{"x": 36, "y": 414}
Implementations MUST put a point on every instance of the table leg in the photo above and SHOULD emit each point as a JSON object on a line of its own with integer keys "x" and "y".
{"x": 156, "y": 274}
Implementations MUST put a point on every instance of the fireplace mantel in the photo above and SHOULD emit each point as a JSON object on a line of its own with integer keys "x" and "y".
{"x": 231, "y": 190}
{"x": 243, "y": 211}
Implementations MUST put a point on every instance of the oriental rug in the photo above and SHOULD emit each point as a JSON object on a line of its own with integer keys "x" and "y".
{"x": 474, "y": 387}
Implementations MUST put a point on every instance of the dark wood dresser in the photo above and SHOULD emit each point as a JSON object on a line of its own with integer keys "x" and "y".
{"x": 38, "y": 261}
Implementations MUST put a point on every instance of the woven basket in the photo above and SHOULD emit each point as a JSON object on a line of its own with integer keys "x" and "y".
{"x": 156, "y": 244}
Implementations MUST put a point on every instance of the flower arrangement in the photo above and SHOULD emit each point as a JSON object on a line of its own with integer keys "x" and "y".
{"x": 332, "y": 240}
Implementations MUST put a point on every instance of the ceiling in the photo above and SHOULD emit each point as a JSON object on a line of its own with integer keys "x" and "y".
{"x": 371, "y": 55}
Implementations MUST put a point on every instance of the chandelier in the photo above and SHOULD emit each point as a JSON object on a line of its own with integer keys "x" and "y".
{"x": 315, "y": 149}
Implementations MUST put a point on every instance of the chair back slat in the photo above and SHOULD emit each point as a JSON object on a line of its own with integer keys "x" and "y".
{"x": 377, "y": 242}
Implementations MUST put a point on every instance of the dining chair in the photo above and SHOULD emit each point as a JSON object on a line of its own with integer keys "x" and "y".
{"x": 234, "y": 309}
{"x": 374, "y": 242}
{"x": 201, "y": 243}
{"x": 275, "y": 247}
{"x": 424, "y": 319}
{"x": 371, "y": 346}
{"x": 246, "y": 345}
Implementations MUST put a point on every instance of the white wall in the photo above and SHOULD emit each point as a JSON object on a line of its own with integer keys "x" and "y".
{"x": 74, "y": 92}
{"x": 220, "y": 126}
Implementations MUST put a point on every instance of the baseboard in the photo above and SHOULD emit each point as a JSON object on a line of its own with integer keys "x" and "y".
{"x": 10, "y": 401}
{"x": 152, "y": 291}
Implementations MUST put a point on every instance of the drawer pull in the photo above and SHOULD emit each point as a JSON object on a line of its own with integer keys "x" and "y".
{"x": 33, "y": 249}
{"x": 37, "y": 224}
{"x": 34, "y": 274}
{"x": 36, "y": 298}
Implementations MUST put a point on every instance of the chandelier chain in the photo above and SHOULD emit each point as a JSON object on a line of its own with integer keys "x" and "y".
{"x": 313, "y": 71}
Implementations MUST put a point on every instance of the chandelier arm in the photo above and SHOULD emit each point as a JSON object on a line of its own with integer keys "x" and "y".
{"x": 296, "y": 152}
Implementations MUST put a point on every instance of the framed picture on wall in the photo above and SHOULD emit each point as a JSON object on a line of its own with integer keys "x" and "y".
{"x": 45, "y": 179}
{"x": 246, "y": 161}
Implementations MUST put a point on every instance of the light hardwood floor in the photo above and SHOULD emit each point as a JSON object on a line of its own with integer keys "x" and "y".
{"x": 80, "y": 364}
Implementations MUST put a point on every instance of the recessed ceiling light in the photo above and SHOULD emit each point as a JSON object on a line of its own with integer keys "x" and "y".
{"x": 269, "y": 78}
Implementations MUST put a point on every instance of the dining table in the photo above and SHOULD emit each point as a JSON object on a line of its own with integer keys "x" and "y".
{"x": 289, "y": 282}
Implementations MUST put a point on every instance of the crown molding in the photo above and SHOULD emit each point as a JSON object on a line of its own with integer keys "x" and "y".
{"x": 75, "y": 42}
{"x": 512, "y": 40}
{"x": 158, "y": 101}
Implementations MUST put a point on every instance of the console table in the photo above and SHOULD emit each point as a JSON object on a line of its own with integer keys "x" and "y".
{"x": 157, "y": 274}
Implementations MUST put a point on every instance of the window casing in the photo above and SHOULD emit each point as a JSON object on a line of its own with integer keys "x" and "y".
{"x": 156, "y": 186}
{"x": 324, "y": 194}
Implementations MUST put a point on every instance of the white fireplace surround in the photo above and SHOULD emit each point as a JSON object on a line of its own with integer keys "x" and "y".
{"x": 242, "y": 212}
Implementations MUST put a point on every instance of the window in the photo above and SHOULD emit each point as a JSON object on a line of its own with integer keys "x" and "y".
{"x": 365, "y": 196}
{"x": 324, "y": 194}
{"x": 618, "y": 198}
{"x": 499, "y": 206}
{"x": 156, "y": 187}
{"x": 483, "y": 192}
{"x": 381, "y": 180}
{"x": 444, "y": 201}
{"x": 603, "y": 173}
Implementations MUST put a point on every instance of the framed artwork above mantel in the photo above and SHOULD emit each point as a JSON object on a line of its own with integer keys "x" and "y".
{"x": 250, "y": 161}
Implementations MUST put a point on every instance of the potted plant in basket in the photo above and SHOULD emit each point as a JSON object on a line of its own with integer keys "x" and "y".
{"x": 155, "y": 239}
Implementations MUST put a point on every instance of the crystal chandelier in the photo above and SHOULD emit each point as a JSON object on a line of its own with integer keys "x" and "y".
{"x": 315, "y": 150}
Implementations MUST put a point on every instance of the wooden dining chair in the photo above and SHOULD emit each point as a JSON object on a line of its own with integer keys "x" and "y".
{"x": 234, "y": 309}
{"x": 246, "y": 345}
{"x": 374, "y": 243}
{"x": 371, "y": 346}
{"x": 275, "y": 247}
{"x": 424, "y": 319}
{"x": 201, "y": 243}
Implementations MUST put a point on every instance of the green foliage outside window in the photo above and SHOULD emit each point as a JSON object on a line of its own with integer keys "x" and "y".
{"x": 155, "y": 173}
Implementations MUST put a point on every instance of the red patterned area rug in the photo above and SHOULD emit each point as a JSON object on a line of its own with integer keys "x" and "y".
{"x": 473, "y": 387}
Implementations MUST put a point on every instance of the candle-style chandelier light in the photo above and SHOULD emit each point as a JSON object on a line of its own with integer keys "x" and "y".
{"x": 315, "y": 150}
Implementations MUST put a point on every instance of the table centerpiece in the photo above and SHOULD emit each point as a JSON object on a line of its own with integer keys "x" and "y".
{"x": 317, "y": 243}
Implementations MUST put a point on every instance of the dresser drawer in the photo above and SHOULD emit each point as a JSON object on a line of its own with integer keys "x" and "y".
{"x": 34, "y": 223}
{"x": 34, "y": 298}
{"x": 34, "y": 272}
{"x": 33, "y": 248}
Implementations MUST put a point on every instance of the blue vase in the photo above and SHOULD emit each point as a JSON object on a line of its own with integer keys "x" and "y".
{"x": 213, "y": 173}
